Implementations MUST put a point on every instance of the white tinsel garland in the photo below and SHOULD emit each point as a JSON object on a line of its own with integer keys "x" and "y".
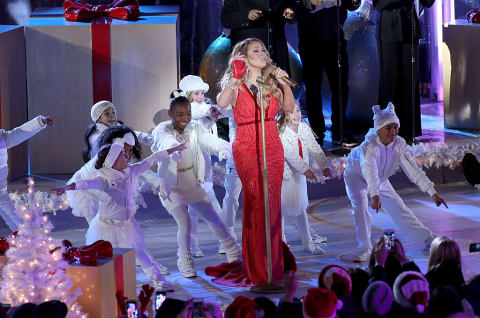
{"x": 36, "y": 271}
{"x": 47, "y": 201}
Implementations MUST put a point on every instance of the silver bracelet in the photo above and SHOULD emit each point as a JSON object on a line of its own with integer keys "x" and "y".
{"x": 232, "y": 87}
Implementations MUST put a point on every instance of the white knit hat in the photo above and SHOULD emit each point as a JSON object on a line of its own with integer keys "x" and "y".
{"x": 192, "y": 83}
{"x": 99, "y": 108}
{"x": 411, "y": 290}
{"x": 383, "y": 117}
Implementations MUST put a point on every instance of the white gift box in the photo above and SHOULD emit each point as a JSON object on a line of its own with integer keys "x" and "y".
{"x": 135, "y": 63}
{"x": 13, "y": 94}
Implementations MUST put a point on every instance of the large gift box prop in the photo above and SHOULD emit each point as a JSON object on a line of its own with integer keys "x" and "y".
{"x": 72, "y": 65}
{"x": 100, "y": 282}
{"x": 13, "y": 94}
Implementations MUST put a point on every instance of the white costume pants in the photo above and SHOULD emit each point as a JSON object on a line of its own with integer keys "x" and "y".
{"x": 149, "y": 267}
{"x": 194, "y": 215}
{"x": 233, "y": 187}
{"x": 301, "y": 221}
{"x": 391, "y": 202}
{"x": 208, "y": 213}
{"x": 7, "y": 211}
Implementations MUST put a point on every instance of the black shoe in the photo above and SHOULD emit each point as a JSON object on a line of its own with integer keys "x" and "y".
{"x": 347, "y": 142}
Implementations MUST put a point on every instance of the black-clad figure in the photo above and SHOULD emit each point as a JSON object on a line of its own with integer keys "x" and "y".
{"x": 396, "y": 24}
{"x": 252, "y": 19}
{"x": 318, "y": 28}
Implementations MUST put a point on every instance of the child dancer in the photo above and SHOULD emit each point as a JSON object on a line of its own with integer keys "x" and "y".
{"x": 85, "y": 203}
{"x": 368, "y": 168}
{"x": 195, "y": 89}
{"x": 115, "y": 221}
{"x": 9, "y": 139}
{"x": 104, "y": 115}
{"x": 299, "y": 146}
{"x": 182, "y": 178}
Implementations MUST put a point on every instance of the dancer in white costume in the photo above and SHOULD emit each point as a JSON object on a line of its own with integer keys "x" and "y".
{"x": 182, "y": 178}
{"x": 115, "y": 221}
{"x": 104, "y": 116}
{"x": 206, "y": 114}
{"x": 368, "y": 168}
{"x": 304, "y": 159}
{"x": 9, "y": 139}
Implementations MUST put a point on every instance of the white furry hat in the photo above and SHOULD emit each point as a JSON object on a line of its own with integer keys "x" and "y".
{"x": 192, "y": 83}
{"x": 99, "y": 108}
{"x": 411, "y": 290}
{"x": 383, "y": 117}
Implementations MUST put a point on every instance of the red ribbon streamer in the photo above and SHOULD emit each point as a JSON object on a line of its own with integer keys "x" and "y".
{"x": 120, "y": 285}
{"x": 101, "y": 63}
{"x": 300, "y": 152}
{"x": 81, "y": 11}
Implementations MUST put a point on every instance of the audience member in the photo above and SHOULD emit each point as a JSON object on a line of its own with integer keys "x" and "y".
{"x": 242, "y": 307}
{"x": 444, "y": 301}
{"x": 268, "y": 306}
{"x": 445, "y": 265}
{"x": 473, "y": 296}
{"x": 173, "y": 308}
{"x": 321, "y": 303}
{"x": 377, "y": 299}
{"x": 411, "y": 294}
{"x": 22, "y": 311}
{"x": 335, "y": 278}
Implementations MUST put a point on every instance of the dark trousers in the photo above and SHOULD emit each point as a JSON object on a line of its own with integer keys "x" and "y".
{"x": 396, "y": 85}
{"x": 319, "y": 56}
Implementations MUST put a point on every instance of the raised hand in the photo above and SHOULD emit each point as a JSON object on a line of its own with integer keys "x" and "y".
{"x": 279, "y": 75}
{"x": 239, "y": 67}
{"x": 288, "y": 14}
{"x": 145, "y": 296}
{"x": 48, "y": 120}
{"x": 438, "y": 200}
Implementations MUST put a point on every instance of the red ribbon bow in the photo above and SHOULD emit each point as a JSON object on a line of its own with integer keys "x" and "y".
{"x": 81, "y": 11}
{"x": 473, "y": 16}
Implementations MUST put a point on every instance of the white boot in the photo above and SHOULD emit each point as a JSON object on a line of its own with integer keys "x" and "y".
{"x": 313, "y": 248}
{"x": 232, "y": 249}
{"x": 185, "y": 264}
{"x": 163, "y": 269}
{"x": 221, "y": 249}
{"x": 196, "y": 251}
{"x": 317, "y": 238}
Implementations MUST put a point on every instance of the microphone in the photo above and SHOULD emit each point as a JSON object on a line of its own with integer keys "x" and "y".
{"x": 260, "y": 80}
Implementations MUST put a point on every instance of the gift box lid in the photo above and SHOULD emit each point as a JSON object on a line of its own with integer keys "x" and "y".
{"x": 145, "y": 10}
{"x": 60, "y": 21}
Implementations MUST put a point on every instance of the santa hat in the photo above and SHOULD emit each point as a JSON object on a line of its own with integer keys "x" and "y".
{"x": 321, "y": 303}
{"x": 336, "y": 279}
{"x": 411, "y": 290}
{"x": 242, "y": 307}
{"x": 383, "y": 117}
{"x": 377, "y": 299}
{"x": 99, "y": 108}
{"x": 192, "y": 83}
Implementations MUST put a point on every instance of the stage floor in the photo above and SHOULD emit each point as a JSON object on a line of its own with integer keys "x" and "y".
{"x": 330, "y": 217}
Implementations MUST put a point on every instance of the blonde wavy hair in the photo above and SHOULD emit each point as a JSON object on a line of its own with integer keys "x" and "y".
{"x": 444, "y": 249}
{"x": 270, "y": 86}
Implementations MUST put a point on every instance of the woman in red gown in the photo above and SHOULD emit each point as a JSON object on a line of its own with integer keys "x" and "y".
{"x": 248, "y": 61}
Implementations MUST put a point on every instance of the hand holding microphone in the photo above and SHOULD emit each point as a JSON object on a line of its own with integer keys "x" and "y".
{"x": 282, "y": 77}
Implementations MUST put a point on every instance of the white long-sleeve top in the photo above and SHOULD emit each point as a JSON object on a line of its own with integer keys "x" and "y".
{"x": 202, "y": 113}
{"x": 310, "y": 149}
{"x": 119, "y": 188}
{"x": 11, "y": 138}
{"x": 376, "y": 162}
{"x": 232, "y": 131}
{"x": 200, "y": 140}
